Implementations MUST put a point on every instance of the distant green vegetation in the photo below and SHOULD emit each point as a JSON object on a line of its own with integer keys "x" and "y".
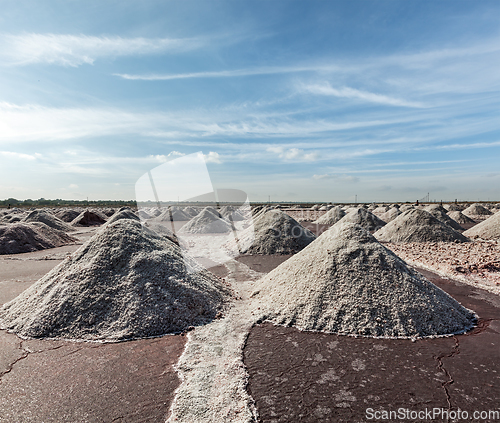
{"x": 62, "y": 203}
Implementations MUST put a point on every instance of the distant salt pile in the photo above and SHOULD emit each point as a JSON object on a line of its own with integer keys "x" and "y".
{"x": 124, "y": 214}
{"x": 364, "y": 218}
{"x": 27, "y": 237}
{"x": 144, "y": 215}
{"x": 49, "y": 219}
{"x": 488, "y": 229}
{"x": 331, "y": 217}
{"x": 88, "y": 218}
{"x": 453, "y": 207}
{"x": 347, "y": 283}
{"x": 125, "y": 282}
{"x": 206, "y": 222}
{"x": 444, "y": 218}
{"x": 436, "y": 207}
{"x": 476, "y": 210}
{"x": 390, "y": 214}
{"x": 231, "y": 213}
{"x": 460, "y": 218}
{"x": 191, "y": 211}
{"x": 405, "y": 207}
{"x": 418, "y": 226}
{"x": 67, "y": 215}
{"x": 274, "y": 232}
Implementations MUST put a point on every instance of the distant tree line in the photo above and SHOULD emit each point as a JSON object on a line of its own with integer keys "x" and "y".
{"x": 62, "y": 203}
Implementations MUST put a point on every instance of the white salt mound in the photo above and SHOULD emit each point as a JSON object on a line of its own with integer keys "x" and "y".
{"x": 49, "y": 219}
{"x": 488, "y": 229}
{"x": 126, "y": 282}
{"x": 390, "y": 214}
{"x": 162, "y": 229}
{"x": 124, "y": 214}
{"x": 67, "y": 215}
{"x": 206, "y": 222}
{"x": 476, "y": 210}
{"x": 347, "y": 283}
{"x": 418, "y": 226}
{"x": 88, "y": 218}
{"x": 444, "y": 218}
{"x": 363, "y": 218}
{"x": 331, "y": 217}
{"x": 275, "y": 232}
{"x": 459, "y": 217}
{"x": 27, "y": 237}
{"x": 454, "y": 207}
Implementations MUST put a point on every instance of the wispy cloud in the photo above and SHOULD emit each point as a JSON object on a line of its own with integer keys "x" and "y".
{"x": 20, "y": 156}
{"x": 294, "y": 154}
{"x": 347, "y": 92}
{"x": 75, "y": 50}
{"x": 267, "y": 70}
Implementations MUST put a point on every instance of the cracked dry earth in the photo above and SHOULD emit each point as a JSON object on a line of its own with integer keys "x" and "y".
{"x": 315, "y": 377}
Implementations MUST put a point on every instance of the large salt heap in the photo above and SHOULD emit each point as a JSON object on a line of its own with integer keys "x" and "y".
{"x": 88, "y": 218}
{"x": 460, "y": 218}
{"x": 476, "y": 210}
{"x": 347, "y": 283}
{"x": 331, "y": 217}
{"x": 488, "y": 229}
{"x": 125, "y": 282}
{"x": 49, "y": 219}
{"x": 274, "y": 232}
{"x": 418, "y": 226}
{"x": 364, "y": 218}
{"x": 206, "y": 222}
{"x": 444, "y": 218}
{"x": 28, "y": 237}
{"x": 124, "y": 214}
{"x": 67, "y": 215}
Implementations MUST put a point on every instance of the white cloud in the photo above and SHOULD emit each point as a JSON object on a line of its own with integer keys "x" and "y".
{"x": 75, "y": 50}
{"x": 294, "y": 154}
{"x": 73, "y": 186}
{"x": 212, "y": 157}
{"x": 21, "y": 156}
{"x": 347, "y": 92}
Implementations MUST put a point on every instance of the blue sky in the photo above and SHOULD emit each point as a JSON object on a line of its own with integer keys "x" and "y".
{"x": 297, "y": 100}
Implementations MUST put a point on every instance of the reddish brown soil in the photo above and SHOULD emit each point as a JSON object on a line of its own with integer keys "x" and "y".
{"x": 315, "y": 377}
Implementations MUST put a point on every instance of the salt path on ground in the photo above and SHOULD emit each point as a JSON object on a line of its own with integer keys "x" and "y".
{"x": 488, "y": 229}
{"x": 274, "y": 232}
{"x": 126, "y": 282}
{"x": 346, "y": 282}
{"x": 417, "y": 225}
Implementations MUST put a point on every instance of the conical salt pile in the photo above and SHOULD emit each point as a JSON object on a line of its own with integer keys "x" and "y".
{"x": 331, "y": 217}
{"x": 346, "y": 282}
{"x": 444, "y": 218}
{"x": 418, "y": 226}
{"x": 363, "y": 218}
{"x": 49, "y": 219}
{"x": 125, "y": 282}
{"x": 454, "y": 207}
{"x": 124, "y": 214}
{"x": 390, "y": 214}
{"x": 27, "y": 237}
{"x": 476, "y": 210}
{"x": 67, "y": 215}
{"x": 275, "y": 232}
{"x": 206, "y": 222}
{"x": 435, "y": 207}
{"x": 488, "y": 229}
{"x": 88, "y": 218}
{"x": 460, "y": 218}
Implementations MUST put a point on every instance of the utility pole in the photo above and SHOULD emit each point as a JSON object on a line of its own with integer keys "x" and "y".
{"x": 355, "y": 198}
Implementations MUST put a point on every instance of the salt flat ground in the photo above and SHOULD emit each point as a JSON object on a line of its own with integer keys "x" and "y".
{"x": 292, "y": 375}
